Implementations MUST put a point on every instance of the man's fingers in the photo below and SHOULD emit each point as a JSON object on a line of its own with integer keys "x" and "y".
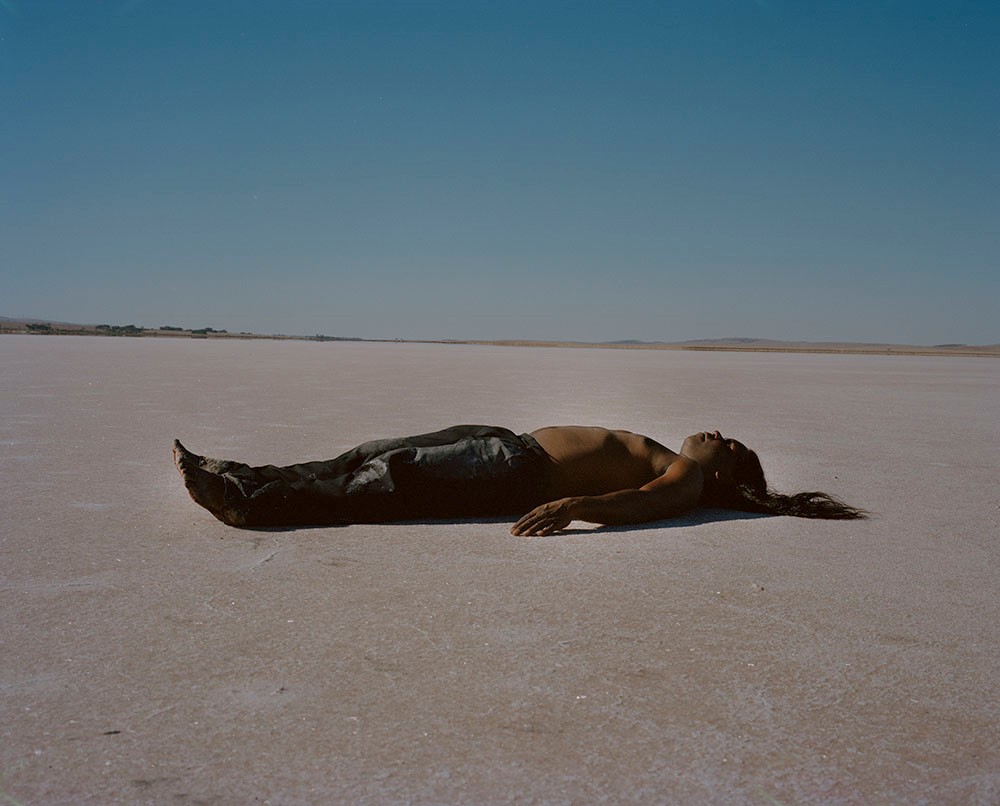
{"x": 539, "y": 526}
{"x": 530, "y": 516}
{"x": 525, "y": 523}
{"x": 531, "y": 524}
{"x": 531, "y": 519}
{"x": 541, "y": 521}
{"x": 528, "y": 528}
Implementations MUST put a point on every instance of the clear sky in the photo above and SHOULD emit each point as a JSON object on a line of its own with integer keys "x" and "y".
{"x": 542, "y": 170}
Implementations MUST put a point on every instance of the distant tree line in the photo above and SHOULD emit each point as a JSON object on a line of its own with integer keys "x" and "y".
{"x": 137, "y": 330}
{"x": 121, "y": 330}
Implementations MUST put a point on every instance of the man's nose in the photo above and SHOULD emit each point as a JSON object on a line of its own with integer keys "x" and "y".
{"x": 717, "y": 435}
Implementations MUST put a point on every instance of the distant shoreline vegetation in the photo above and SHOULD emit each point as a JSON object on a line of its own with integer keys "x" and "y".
{"x": 44, "y": 328}
{"x": 736, "y": 344}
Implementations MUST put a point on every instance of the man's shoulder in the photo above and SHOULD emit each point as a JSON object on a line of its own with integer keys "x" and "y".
{"x": 681, "y": 465}
{"x": 680, "y": 484}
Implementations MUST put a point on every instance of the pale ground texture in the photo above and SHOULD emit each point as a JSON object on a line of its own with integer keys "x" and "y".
{"x": 149, "y": 654}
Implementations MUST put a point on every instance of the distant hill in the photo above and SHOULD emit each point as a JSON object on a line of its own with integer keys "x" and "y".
{"x": 745, "y": 341}
{"x": 11, "y": 324}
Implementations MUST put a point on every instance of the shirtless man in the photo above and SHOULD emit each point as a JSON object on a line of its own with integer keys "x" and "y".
{"x": 556, "y": 475}
{"x": 617, "y": 477}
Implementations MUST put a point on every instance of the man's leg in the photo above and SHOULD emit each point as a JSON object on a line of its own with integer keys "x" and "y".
{"x": 493, "y": 473}
{"x": 252, "y": 478}
{"x": 455, "y": 472}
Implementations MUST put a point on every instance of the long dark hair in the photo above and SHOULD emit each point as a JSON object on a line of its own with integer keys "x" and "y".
{"x": 749, "y": 493}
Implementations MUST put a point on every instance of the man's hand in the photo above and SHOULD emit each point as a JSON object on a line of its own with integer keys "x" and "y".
{"x": 545, "y": 519}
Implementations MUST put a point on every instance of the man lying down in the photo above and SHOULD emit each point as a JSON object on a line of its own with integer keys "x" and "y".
{"x": 547, "y": 478}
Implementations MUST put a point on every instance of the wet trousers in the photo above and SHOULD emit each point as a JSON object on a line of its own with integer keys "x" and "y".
{"x": 459, "y": 472}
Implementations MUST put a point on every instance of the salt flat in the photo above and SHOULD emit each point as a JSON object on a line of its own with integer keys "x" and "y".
{"x": 150, "y": 654}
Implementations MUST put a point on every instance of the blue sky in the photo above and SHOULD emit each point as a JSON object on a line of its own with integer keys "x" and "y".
{"x": 541, "y": 170}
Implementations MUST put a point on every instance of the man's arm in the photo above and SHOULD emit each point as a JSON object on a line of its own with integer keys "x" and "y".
{"x": 674, "y": 492}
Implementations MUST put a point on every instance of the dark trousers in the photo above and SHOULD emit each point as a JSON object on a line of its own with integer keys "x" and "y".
{"x": 463, "y": 471}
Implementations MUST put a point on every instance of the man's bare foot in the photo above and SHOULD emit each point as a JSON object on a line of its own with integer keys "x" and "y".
{"x": 216, "y": 466}
{"x": 206, "y": 488}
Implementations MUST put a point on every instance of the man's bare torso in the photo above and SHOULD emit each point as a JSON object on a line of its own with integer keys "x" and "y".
{"x": 594, "y": 461}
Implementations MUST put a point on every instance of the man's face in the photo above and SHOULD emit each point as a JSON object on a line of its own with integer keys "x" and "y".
{"x": 713, "y": 452}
